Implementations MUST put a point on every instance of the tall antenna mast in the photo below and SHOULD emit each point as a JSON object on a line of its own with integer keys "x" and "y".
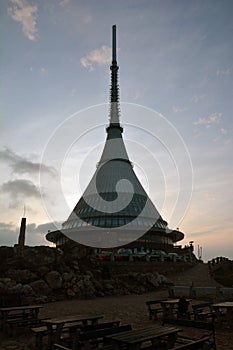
{"x": 114, "y": 44}
{"x": 114, "y": 90}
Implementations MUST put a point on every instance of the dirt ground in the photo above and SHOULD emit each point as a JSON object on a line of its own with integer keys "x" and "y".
{"x": 128, "y": 309}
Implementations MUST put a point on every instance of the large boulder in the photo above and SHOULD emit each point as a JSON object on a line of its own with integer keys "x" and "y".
{"x": 67, "y": 276}
{"x": 5, "y": 253}
{"x": 22, "y": 276}
{"x": 40, "y": 287}
{"x": 42, "y": 270}
{"x": 89, "y": 288}
{"x": 54, "y": 279}
{"x": 152, "y": 279}
{"x": 27, "y": 290}
{"x": 39, "y": 256}
{"x": 164, "y": 280}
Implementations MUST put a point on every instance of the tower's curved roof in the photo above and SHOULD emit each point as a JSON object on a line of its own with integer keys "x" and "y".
{"x": 114, "y": 198}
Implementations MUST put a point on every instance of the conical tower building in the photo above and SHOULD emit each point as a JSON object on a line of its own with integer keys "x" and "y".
{"x": 115, "y": 210}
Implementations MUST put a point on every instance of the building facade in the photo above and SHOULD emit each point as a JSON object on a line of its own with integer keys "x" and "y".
{"x": 115, "y": 210}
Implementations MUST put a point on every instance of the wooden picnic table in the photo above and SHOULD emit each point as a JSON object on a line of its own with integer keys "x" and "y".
{"x": 55, "y": 325}
{"x": 20, "y": 312}
{"x": 219, "y": 309}
{"x": 135, "y": 339}
{"x": 170, "y": 307}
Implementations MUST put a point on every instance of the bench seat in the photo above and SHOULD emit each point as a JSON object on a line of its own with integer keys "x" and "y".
{"x": 93, "y": 338}
{"x": 42, "y": 331}
{"x": 202, "y": 311}
{"x": 154, "y": 309}
{"x": 193, "y": 345}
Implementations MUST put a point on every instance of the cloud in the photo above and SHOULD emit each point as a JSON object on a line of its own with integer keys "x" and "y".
{"x": 64, "y": 3}
{"x": 5, "y": 226}
{"x": 43, "y": 228}
{"x": 87, "y": 19}
{"x": 49, "y": 226}
{"x": 228, "y": 142}
{"x": 223, "y": 72}
{"x": 222, "y": 136}
{"x": 21, "y": 165}
{"x": 177, "y": 109}
{"x": 34, "y": 234}
{"x": 43, "y": 71}
{"x": 197, "y": 98}
{"x": 100, "y": 56}
{"x": 223, "y": 131}
{"x": 8, "y": 234}
{"x": 26, "y": 14}
{"x": 212, "y": 119}
{"x": 21, "y": 187}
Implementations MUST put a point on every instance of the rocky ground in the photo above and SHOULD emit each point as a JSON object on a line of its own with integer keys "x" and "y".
{"x": 44, "y": 274}
{"x": 127, "y": 308}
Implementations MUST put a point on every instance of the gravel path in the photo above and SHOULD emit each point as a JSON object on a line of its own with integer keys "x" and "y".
{"x": 198, "y": 275}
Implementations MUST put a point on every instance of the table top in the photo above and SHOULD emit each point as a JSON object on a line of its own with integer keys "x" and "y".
{"x": 227, "y": 304}
{"x": 170, "y": 301}
{"x": 173, "y": 301}
{"x": 25, "y": 307}
{"x": 143, "y": 334}
{"x": 70, "y": 319}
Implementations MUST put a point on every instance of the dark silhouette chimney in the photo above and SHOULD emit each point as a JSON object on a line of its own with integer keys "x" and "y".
{"x": 21, "y": 240}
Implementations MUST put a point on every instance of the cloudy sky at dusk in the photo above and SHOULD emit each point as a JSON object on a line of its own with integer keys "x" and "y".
{"x": 175, "y": 57}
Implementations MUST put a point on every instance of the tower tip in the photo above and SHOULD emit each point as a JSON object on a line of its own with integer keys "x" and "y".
{"x": 114, "y": 43}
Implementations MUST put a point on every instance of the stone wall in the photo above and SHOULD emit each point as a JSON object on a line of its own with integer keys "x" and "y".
{"x": 42, "y": 274}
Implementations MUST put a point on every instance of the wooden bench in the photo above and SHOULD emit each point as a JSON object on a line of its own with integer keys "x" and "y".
{"x": 154, "y": 308}
{"x": 90, "y": 338}
{"x": 95, "y": 327}
{"x": 60, "y": 347}
{"x": 41, "y": 332}
{"x": 156, "y": 336}
{"x": 15, "y": 314}
{"x": 14, "y": 323}
{"x": 12, "y": 317}
{"x": 193, "y": 345}
{"x": 190, "y": 345}
{"x": 196, "y": 324}
{"x": 202, "y": 311}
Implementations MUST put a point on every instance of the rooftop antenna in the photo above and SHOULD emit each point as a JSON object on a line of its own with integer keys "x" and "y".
{"x": 114, "y": 89}
{"x": 114, "y": 44}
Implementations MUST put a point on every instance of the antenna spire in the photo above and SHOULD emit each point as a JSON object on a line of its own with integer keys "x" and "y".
{"x": 114, "y": 89}
{"x": 114, "y": 44}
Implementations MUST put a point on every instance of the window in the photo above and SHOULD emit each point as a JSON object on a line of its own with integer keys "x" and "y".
{"x": 108, "y": 222}
{"x": 114, "y": 222}
{"x": 121, "y": 221}
{"x": 95, "y": 222}
{"x": 102, "y": 222}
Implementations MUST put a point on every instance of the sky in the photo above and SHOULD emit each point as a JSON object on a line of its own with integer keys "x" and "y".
{"x": 176, "y": 88}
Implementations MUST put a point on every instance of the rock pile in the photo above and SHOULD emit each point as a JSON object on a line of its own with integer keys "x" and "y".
{"x": 41, "y": 274}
